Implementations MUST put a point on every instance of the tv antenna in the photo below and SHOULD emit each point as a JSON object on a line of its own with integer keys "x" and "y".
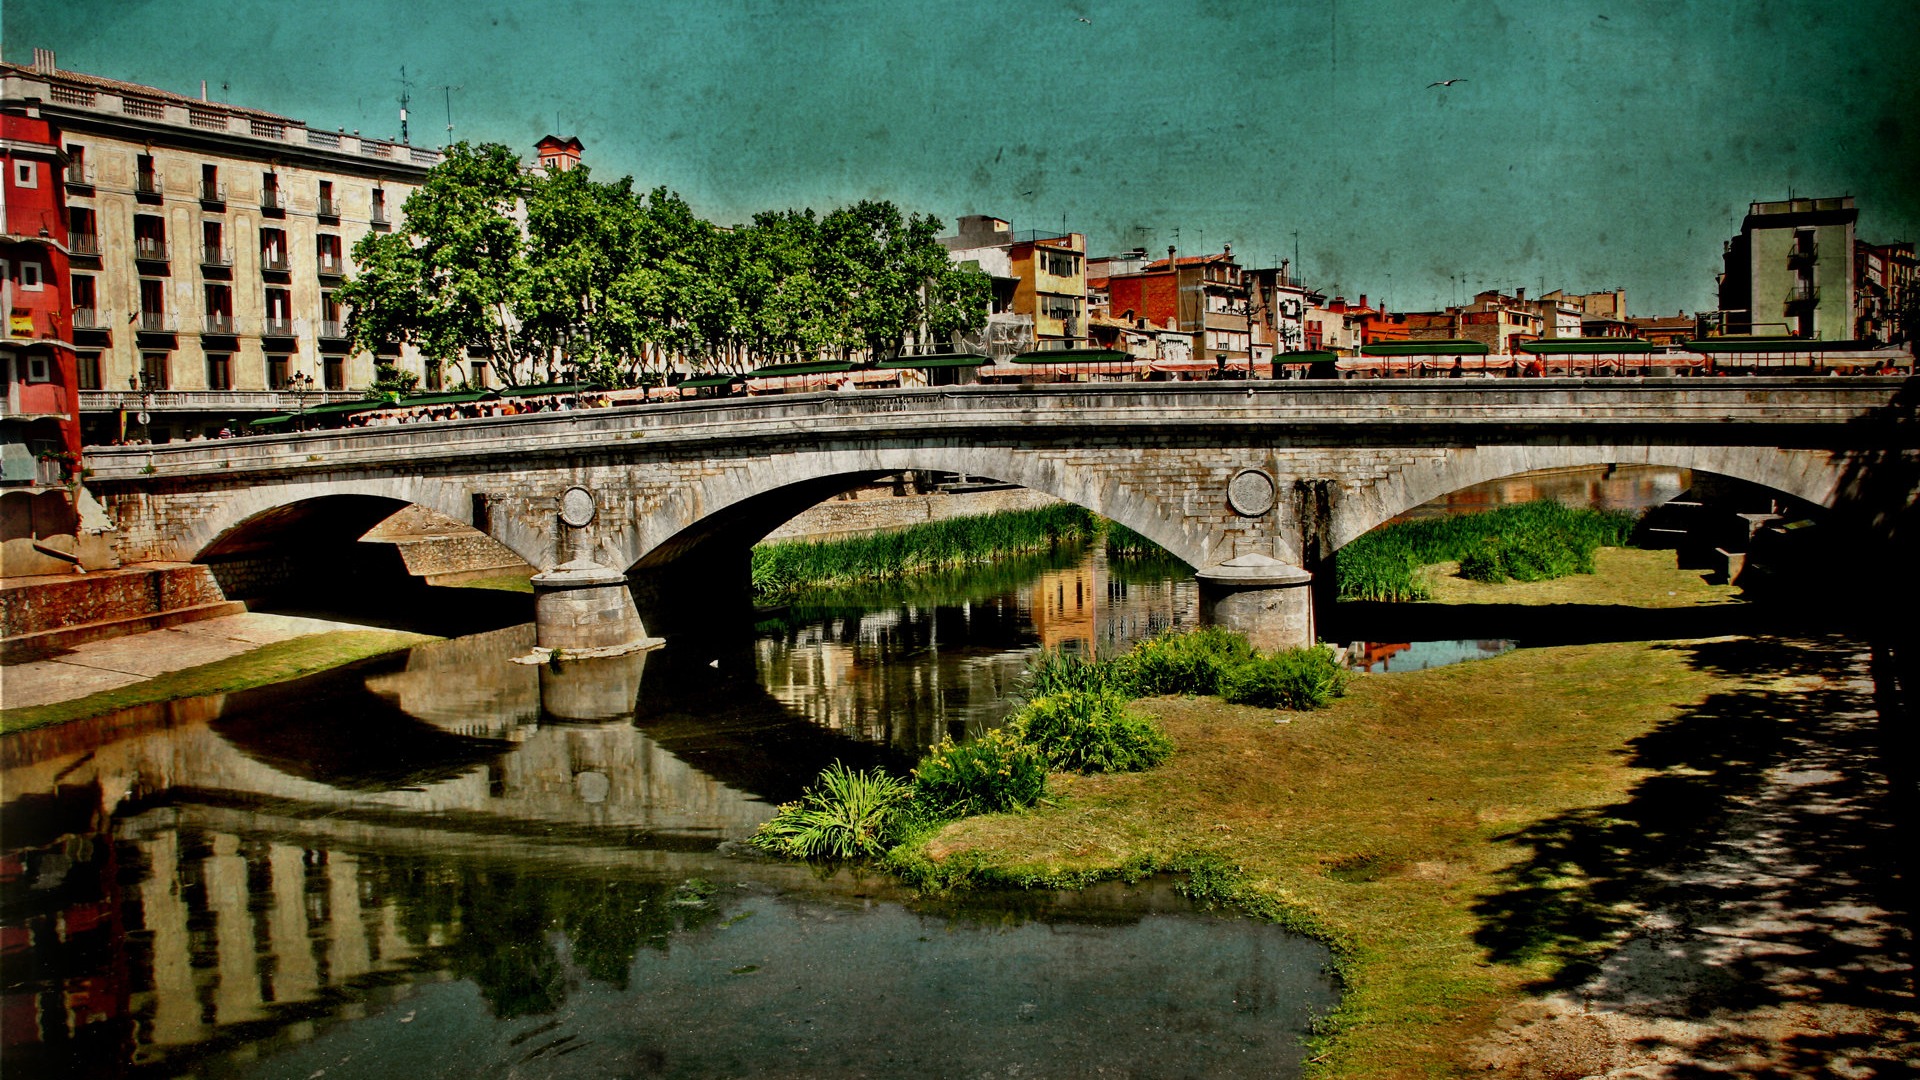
{"x": 406, "y": 96}
{"x": 447, "y": 91}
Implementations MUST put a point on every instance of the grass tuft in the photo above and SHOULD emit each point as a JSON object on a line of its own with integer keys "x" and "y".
{"x": 1536, "y": 541}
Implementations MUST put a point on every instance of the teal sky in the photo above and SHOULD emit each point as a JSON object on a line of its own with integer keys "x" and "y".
{"x": 1590, "y": 145}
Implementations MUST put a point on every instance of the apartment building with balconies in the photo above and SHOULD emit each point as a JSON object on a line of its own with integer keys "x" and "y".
{"x": 1206, "y": 296}
{"x": 39, "y": 408}
{"x": 1040, "y": 282}
{"x": 1790, "y": 272}
{"x": 206, "y": 241}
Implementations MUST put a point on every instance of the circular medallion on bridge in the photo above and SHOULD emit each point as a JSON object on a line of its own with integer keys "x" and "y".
{"x": 576, "y": 507}
{"x": 1250, "y": 493}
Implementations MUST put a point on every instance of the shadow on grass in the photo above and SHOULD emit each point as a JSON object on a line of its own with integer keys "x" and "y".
{"x": 1539, "y": 625}
{"x": 1766, "y": 849}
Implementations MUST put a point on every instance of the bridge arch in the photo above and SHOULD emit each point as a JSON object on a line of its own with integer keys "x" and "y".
{"x": 244, "y": 516}
{"x": 742, "y": 504}
{"x": 1813, "y": 476}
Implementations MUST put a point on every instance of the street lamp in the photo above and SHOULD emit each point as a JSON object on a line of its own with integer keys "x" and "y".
{"x": 301, "y": 384}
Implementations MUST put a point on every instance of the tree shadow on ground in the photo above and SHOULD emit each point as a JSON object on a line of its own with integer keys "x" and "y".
{"x": 1757, "y": 868}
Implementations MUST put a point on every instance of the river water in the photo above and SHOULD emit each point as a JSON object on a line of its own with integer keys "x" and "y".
{"x": 441, "y": 863}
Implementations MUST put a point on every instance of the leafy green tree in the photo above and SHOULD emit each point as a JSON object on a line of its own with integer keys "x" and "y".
{"x": 896, "y": 279}
{"x": 452, "y": 275}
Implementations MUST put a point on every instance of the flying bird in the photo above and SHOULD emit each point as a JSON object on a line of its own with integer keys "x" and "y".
{"x": 1444, "y": 82}
{"x": 1084, "y": 19}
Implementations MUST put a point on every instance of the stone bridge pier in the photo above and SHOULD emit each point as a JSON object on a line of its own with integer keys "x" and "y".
{"x": 1255, "y": 485}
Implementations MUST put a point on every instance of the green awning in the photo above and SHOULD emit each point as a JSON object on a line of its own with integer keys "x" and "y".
{"x": 269, "y": 421}
{"x": 550, "y": 388}
{"x": 705, "y": 381}
{"x": 1576, "y": 346}
{"x": 444, "y": 399}
{"x": 1072, "y": 356}
{"x": 344, "y": 407}
{"x": 934, "y": 360}
{"x": 811, "y": 367}
{"x": 1451, "y": 347}
{"x": 1312, "y": 356}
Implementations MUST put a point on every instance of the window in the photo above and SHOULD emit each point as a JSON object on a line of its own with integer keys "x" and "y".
{"x": 85, "y": 312}
{"x": 38, "y": 370}
{"x": 87, "y": 367}
{"x": 213, "y": 244}
{"x": 436, "y": 376}
{"x": 327, "y": 206}
{"x": 334, "y": 371}
{"x": 219, "y": 371}
{"x": 82, "y": 237}
{"x": 153, "y": 297}
{"x": 478, "y": 368}
{"x": 26, "y": 174}
{"x": 270, "y": 191}
{"x": 76, "y": 163}
{"x": 327, "y": 247}
{"x": 273, "y": 249}
{"x": 279, "y": 312}
{"x": 30, "y": 277}
{"x": 276, "y": 373}
{"x": 219, "y": 307}
{"x": 379, "y": 204}
{"x": 145, "y": 181}
{"x": 210, "y": 187}
{"x": 149, "y": 237}
{"x": 155, "y": 371}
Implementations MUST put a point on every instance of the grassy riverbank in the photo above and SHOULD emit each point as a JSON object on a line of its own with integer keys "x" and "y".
{"x": 1419, "y": 824}
{"x": 783, "y": 569}
{"x": 276, "y": 662}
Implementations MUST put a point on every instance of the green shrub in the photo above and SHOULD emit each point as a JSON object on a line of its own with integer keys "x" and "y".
{"x": 1090, "y": 731}
{"x": 993, "y": 772}
{"x": 1050, "y": 672}
{"x": 1533, "y": 541}
{"x": 1294, "y": 679}
{"x": 783, "y": 568}
{"x": 847, "y": 814}
{"x": 1179, "y": 663}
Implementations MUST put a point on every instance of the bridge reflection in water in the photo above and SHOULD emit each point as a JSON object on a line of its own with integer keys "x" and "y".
{"x": 188, "y": 886}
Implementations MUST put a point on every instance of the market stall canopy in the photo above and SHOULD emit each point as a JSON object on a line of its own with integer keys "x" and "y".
{"x": 1450, "y": 347}
{"x": 1582, "y": 346}
{"x": 934, "y": 360}
{"x": 811, "y": 367}
{"x": 704, "y": 382}
{"x": 1072, "y": 356}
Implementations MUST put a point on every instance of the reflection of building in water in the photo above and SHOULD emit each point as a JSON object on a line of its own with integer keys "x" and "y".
{"x": 906, "y": 675}
{"x": 1064, "y": 609}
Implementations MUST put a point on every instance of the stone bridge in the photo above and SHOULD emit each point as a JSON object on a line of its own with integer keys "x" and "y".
{"x": 1255, "y": 484}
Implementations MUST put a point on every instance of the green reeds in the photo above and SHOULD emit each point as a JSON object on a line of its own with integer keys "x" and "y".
{"x": 1532, "y": 541}
{"x": 785, "y": 568}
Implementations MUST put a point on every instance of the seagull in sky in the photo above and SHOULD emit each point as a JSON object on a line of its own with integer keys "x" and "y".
{"x": 1444, "y": 82}
{"x": 1084, "y": 19}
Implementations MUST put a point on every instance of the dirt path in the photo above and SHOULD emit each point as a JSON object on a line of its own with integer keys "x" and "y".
{"x": 1784, "y": 949}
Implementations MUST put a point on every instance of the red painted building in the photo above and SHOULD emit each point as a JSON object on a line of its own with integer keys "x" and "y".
{"x": 39, "y": 412}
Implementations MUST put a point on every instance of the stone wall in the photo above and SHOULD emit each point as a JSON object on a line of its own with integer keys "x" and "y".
{"x": 43, "y": 605}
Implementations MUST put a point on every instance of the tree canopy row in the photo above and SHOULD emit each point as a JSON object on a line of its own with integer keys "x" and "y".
{"x": 557, "y": 276}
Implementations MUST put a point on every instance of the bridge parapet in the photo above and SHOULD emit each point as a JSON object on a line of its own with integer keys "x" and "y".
{"x": 1486, "y": 405}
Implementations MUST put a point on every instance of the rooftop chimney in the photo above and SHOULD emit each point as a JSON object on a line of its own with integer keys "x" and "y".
{"x": 1169, "y": 254}
{"x": 43, "y": 61}
{"x": 1363, "y": 300}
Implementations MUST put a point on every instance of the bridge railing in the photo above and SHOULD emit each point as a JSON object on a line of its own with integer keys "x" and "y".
{"x": 1271, "y": 410}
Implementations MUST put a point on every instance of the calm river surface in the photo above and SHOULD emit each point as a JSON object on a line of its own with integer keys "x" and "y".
{"x": 440, "y": 863}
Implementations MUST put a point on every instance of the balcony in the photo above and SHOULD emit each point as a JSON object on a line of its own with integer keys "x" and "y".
{"x": 148, "y": 185}
{"x": 271, "y": 203}
{"x": 83, "y": 243}
{"x": 278, "y": 328}
{"x": 213, "y": 255}
{"x": 159, "y": 322}
{"x": 92, "y": 318}
{"x": 378, "y": 221}
{"x": 335, "y": 329}
{"x": 148, "y": 249}
{"x": 276, "y": 261}
{"x": 1803, "y": 293}
{"x": 213, "y": 194}
{"x": 332, "y": 266}
{"x": 328, "y": 208}
{"x": 106, "y": 401}
{"x": 79, "y": 174}
{"x": 218, "y": 323}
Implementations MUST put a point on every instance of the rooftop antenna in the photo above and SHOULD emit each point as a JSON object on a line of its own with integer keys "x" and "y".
{"x": 406, "y": 96}
{"x": 447, "y": 91}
